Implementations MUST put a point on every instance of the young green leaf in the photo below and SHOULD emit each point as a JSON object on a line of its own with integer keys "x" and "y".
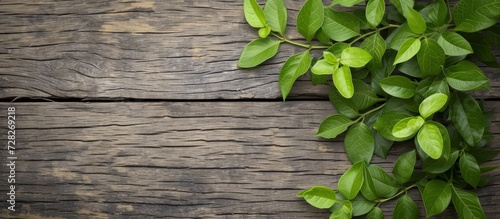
{"x": 386, "y": 122}
{"x": 436, "y": 197}
{"x": 294, "y": 67}
{"x": 466, "y": 204}
{"x": 254, "y": 14}
{"x": 399, "y": 36}
{"x": 402, "y": 5}
{"x": 375, "y": 213}
{"x": 330, "y": 58}
{"x": 375, "y": 45}
{"x": 359, "y": 143}
{"x": 343, "y": 212}
{"x": 258, "y": 51}
{"x": 465, "y": 76}
{"x": 340, "y": 26}
{"x": 351, "y": 181}
{"x": 310, "y": 18}
{"x": 276, "y": 14}
{"x": 407, "y": 127}
{"x": 430, "y": 140}
{"x": 319, "y": 196}
{"x": 453, "y": 44}
{"x": 342, "y": 79}
{"x": 343, "y": 105}
{"x": 398, "y": 86}
{"x": 435, "y": 13}
{"x": 375, "y": 10}
{"x": 415, "y": 21}
{"x": 406, "y": 208}
{"x": 467, "y": 117}
{"x": 364, "y": 96}
{"x": 432, "y": 104}
{"x": 322, "y": 67}
{"x": 355, "y": 57}
{"x": 385, "y": 185}
{"x": 429, "y": 86}
{"x": 470, "y": 169}
{"x": 475, "y": 15}
{"x": 431, "y": 57}
{"x": 333, "y": 126}
{"x": 403, "y": 169}
{"x": 264, "y": 32}
{"x": 347, "y": 3}
{"x": 407, "y": 50}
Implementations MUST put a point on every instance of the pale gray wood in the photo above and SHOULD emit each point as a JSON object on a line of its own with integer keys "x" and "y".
{"x": 182, "y": 160}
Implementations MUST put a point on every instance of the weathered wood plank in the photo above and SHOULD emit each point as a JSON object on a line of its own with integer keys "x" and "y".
{"x": 151, "y": 49}
{"x": 181, "y": 160}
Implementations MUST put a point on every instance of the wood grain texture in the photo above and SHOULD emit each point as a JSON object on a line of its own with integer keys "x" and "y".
{"x": 182, "y": 160}
{"x": 148, "y": 49}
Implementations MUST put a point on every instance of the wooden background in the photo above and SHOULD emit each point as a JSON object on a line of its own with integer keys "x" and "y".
{"x": 136, "y": 109}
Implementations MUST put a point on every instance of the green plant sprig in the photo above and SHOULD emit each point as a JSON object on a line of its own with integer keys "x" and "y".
{"x": 397, "y": 72}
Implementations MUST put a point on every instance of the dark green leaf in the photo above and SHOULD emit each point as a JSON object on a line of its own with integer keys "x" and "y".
{"x": 465, "y": 76}
{"x": 399, "y": 36}
{"x": 384, "y": 184}
{"x": 319, "y": 196}
{"x": 333, "y": 126}
{"x": 340, "y": 26}
{"x": 483, "y": 155}
{"x": 386, "y": 122}
{"x": 375, "y": 213}
{"x": 435, "y": 13}
{"x": 407, "y": 50}
{"x": 432, "y": 104}
{"x": 322, "y": 37}
{"x": 276, "y": 14}
{"x": 429, "y": 86}
{"x": 415, "y": 21}
{"x": 375, "y": 10}
{"x": 403, "y": 169}
{"x": 398, "y": 86}
{"x": 347, "y": 3}
{"x": 470, "y": 169}
{"x": 257, "y": 52}
{"x": 319, "y": 79}
{"x": 294, "y": 67}
{"x": 382, "y": 145}
{"x": 411, "y": 68}
{"x": 337, "y": 48}
{"x": 431, "y": 57}
{"x": 453, "y": 44}
{"x": 254, "y": 14}
{"x": 375, "y": 45}
{"x": 467, "y": 117}
{"x": 361, "y": 206}
{"x": 342, "y": 79}
{"x": 368, "y": 188}
{"x": 402, "y": 5}
{"x": 467, "y": 204}
{"x": 310, "y": 18}
{"x": 351, "y": 181}
{"x": 343, "y": 105}
{"x": 363, "y": 23}
{"x": 359, "y": 143}
{"x": 483, "y": 49}
{"x": 364, "y": 96}
{"x": 430, "y": 140}
{"x": 355, "y": 57}
{"x": 406, "y": 208}
{"x": 380, "y": 70}
{"x": 475, "y": 15}
{"x": 440, "y": 165}
{"x": 436, "y": 197}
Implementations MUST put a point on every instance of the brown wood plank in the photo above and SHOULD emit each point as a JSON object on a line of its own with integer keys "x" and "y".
{"x": 151, "y": 49}
{"x": 181, "y": 160}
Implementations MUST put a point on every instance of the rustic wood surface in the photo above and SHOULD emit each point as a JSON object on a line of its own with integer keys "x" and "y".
{"x": 148, "y": 49}
{"x": 182, "y": 160}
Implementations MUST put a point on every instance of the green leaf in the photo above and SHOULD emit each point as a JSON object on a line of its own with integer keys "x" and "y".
{"x": 375, "y": 213}
{"x": 319, "y": 196}
{"x": 453, "y": 44}
{"x": 476, "y": 15}
{"x": 483, "y": 155}
{"x": 470, "y": 169}
{"x": 322, "y": 67}
{"x": 465, "y": 76}
{"x": 403, "y": 169}
{"x": 382, "y": 145}
{"x": 359, "y": 143}
{"x": 254, "y": 14}
{"x": 399, "y": 36}
{"x": 398, "y": 86}
{"x": 402, "y": 5}
{"x": 466, "y": 204}
{"x": 319, "y": 79}
{"x": 467, "y": 117}
{"x": 264, "y": 32}
{"x": 432, "y": 104}
{"x": 483, "y": 48}
{"x": 429, "y": 86}
{"x": 384, "y": 184}
{"x": 406, "y": 208}
{"x": 430, "y": 140}
{"x": 436, "y": 197}
{"x": 375, "y": 46}
{"x": 364, "y": 96}
{"x": 322, "y": 37}
{"x": 407, "y": 127}
{"x": 337, "y": 48}
{"x": 355, "y": 57}
{"x": 333, "y": 126}
{"x": 407, "y": 50}
{"x": 361, "y": 15}
{"x": 411, "y": 68}
{"x": 386, "y": 122}
{"x": 343, "y": 212}
{"x": 342, "y": 79}
{"x": 361, "y": 206}
{"x": 310, "y": 18}
{"x": 415, "y": 21}
{"x": 340, "y": 26}
{"x": 258, "y": 51}
{"x": 343, "y": 105}
{"x": 375, "y": 10}
{"x": 330, "y": 58}
{"x": 435, "y": 13}
{"x": 368, "y": 188}
{"x": 276, "y": 14}
{"x": 440, "y": 165}
{"x": 294, "y": 67}
{"x": 347, "y": 3}
{"x": 431, "y": 57}
{"x": 351, "y": 181}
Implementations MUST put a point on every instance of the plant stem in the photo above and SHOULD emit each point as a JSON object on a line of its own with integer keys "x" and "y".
{"x": 372, "y": 32}
{"x": 397, "y": 194}
{"x": 362, "y": 116}
{"x": 307, "y": 46}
